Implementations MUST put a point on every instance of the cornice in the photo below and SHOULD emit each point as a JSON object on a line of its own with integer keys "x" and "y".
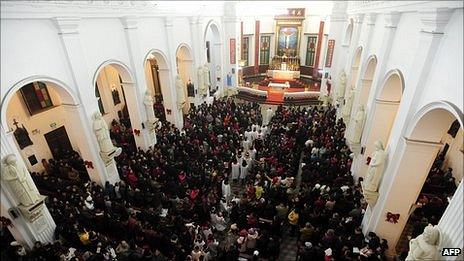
{"x": 434, "y": 20}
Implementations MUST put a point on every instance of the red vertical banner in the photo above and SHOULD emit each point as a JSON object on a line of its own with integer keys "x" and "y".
{"x": 318, "y": 50}
{"x": 330, "y": 51}
{"x": 257, "y": 38}
{"x": 232, "y": 50}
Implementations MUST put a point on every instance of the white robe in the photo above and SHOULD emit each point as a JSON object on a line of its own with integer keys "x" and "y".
{"x": 226, "y": 190}
{"x": 235, "y": 170}
{"x": 246, "y": 145}
{"x": 243, "y": 171}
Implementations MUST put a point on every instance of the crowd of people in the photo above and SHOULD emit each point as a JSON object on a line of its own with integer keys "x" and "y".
{"x": 223, "y": 187}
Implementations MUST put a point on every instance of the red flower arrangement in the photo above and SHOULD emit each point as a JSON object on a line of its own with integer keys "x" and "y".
{"x": 392, "y": 218}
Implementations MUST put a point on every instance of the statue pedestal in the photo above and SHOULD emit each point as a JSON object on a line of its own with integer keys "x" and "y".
{"x": 370, "y": 196}
{"x": 33, "y": 212}
{"x": 355, "y": 147}
{"x": 112, "y": 172}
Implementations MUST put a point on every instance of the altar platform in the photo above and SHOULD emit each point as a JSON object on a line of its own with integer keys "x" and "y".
{"x": 283, "y": 74}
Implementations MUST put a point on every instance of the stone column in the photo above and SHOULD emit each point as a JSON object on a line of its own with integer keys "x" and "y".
{"x": 82, "y": 81}
{"x": 135, "y": 91}
{"x": 171, "y": 56}
{"x": 391, "y": 22}
{"x": 231, "y": 24}
{"x": 29, "y": 224}
{"x": 196, "y": 49}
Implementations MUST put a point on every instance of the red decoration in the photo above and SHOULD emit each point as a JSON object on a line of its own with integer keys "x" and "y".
{"x": 6, "y": 222}
{"x": 368, "y": 160}
{"x": 392, "y": 218}
{"x": 232, "y": 47}
{"x": 137, "y": 132}
{"x": 330, "y": 51}
{"x": 88, "y": 164}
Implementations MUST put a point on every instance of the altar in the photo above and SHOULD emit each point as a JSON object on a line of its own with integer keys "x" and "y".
{"x": 283, "y": 74}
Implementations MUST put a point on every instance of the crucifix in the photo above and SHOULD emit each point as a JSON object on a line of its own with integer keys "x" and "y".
{"x": 21, "y": 135}
{"x": 15, "y": 123}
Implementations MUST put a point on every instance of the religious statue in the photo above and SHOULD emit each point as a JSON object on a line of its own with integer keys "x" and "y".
{"x": 356, "y": 133}
{"x": 206, "y": 76}
{"x": 107, "y": 150}
{"x": 16, "y": 176}
{"x": 190, "y": 89}
{"x": 425, "y": 246}
{"x": 341, "y": 86}
{"x": 180, "y": 92}
{"x": 371, "y": 183}
{"x": 202, "y": 88}
{"x": 21, "y": 135}
{"x": 346, "y": 111}
{"x": 151, "y": 118}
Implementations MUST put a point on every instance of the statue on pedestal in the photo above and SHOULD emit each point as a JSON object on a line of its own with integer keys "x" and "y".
{"x": 202, "y": 88}
{"x": 16, "y": 176}
{"x": 425, "y": 246}
{"x": 370, "y": 184}
{"x": 340, "y": 93}
{"x": 206, "y": 76}
{"x": 346, "y": 111}
{"x": 356, "y": 133}
{"x": 180, "y": 92}
{"x": 107, "y": 150}
{"x": 150, "y": 112}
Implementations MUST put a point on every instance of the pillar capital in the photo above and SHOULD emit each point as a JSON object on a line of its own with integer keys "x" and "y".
{"x": 129, "y": 22}
{"x": 371, "y": 18}
{"x": 168, "y": 22}
{"x": 67, "y": 25}
{"x": 392, "y": 19}
{"x": 358, "y": 18}
{"x": 434, "y": 20}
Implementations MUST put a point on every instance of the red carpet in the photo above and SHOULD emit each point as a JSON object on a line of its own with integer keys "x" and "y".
{"x": 275, "y": 97}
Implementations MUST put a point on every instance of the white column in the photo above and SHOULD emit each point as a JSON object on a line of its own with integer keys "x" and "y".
{"x": 176, "y": 112}
{"x": 82, "y": 80}
{"x": 134, "y": 92}
{"x": 231, "y": 31}
{"x": 24, "y": 231}
{"x": 196, "y": 49}
{"x": 451, "y": 225}
{"x": 391, "y": 22}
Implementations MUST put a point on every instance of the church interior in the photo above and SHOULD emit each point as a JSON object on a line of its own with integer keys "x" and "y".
{"x": 231, "y": 130}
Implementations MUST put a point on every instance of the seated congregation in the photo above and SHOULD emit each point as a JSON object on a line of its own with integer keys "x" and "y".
{"x": 224, "y": 187}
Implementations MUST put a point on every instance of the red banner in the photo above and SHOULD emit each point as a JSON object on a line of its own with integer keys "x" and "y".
{"x": 330, "y": 51}
{"x": 257, "y": 38}
{"x": 232, "y": 50}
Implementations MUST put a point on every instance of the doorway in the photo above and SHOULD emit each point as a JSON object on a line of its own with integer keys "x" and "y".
{"x": 58, "y": 142}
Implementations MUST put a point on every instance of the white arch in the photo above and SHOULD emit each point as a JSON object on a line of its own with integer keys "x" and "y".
{"x": 66, "y": 93}
{"x": 215, "y": 29}
{"x": 123, "y": 70}
{"x": 348, "y": 33}
{"x": 371, "y": 58}
{"x": 385, "y": 80}
{"x": 436, "y": 105}
{"x": 189, "y": 52}
{"x": 160, "y": 57}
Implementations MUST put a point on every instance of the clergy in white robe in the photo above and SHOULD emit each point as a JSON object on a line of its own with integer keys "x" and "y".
{"x": 226, "y": 193}
{"x": 243, "y": 171}
{"x": 235, "y": 170}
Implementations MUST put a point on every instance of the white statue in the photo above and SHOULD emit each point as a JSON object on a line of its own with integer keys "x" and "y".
{"x": 16, "y": 176}
{"x": 371, "y": 183}
{"x": 425, "y": 246}
{"x": 150, "y": 112}
{"x": 206, "y": 76}
{"x": 358, "y": 125}
{"x": 346, "y": 111}
{"x": 107, "y": 150}
{"x": 180, "y": 92}
{"x": 340, "y": 93}
{"x": 201, "y": 83}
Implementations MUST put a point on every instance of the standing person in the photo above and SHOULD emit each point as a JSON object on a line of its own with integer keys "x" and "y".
{"x": 226, "y": 189}
{"x": 243, "y": 171}
{"x": 235, "y": 170}
{"x": 293, "y": 220}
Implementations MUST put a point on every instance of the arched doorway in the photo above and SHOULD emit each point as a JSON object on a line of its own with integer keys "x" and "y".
{"x": 348, "y": 33}
{"x": 47, "y": 127}
{"x": 158, "y": 83}
{"x": 423, "y": 185}
{"x": 355, "y": 68}
{"x": 213, "y": 53}
{"x": 115, "y": 93}
{"x": 184, "y": 62}
{"x": 383, "y": 116}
